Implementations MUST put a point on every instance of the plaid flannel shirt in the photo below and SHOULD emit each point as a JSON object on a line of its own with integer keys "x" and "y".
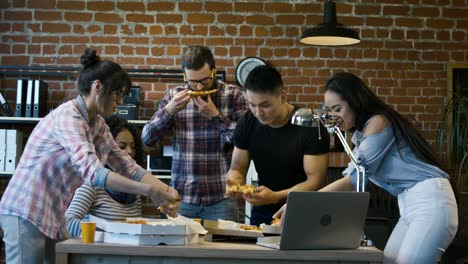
{"x": 64, "y": 150}
{"x": 202, "y": 149}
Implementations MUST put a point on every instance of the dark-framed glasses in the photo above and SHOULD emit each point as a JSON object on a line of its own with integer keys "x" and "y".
{"x": 205, "y": 81}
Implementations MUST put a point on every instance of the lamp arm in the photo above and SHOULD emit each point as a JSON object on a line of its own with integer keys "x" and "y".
{"x": 361, "y": 172}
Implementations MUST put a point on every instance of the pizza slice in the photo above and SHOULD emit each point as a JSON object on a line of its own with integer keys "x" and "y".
{"x": 242, "y": 188}
{"x": 250, "y": 227}
{"x": 202, "y": 93}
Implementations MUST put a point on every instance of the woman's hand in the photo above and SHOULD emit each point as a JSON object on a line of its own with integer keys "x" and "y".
{"x": 167, "y": 198}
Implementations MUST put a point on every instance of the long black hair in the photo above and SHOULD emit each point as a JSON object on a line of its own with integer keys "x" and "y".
{"x": 110, "y": 74}
{"x": 366, "y": 104}
{"x": 117, "y": 124}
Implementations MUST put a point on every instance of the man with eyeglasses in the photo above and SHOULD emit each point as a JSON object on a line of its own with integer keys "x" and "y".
{"x": 202, "y": 129}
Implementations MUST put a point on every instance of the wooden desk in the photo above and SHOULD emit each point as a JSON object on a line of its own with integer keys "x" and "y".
{"x": 73, "y": 251}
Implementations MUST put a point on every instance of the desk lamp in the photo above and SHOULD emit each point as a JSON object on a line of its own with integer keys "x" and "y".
{"x": 308, "y": 118}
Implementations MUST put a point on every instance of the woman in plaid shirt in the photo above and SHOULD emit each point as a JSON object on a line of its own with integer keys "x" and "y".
{"x": 67, "y": 148}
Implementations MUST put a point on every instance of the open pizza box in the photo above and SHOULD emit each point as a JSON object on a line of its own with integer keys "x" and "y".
{"x": 146, "y": 240}
{"x": 147, "y": 231}
{"x": 228, "y": 228}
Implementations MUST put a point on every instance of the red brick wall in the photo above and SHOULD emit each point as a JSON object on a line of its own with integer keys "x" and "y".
{"x": 403, "y": 55}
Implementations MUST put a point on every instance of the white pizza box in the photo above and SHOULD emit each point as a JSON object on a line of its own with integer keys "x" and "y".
{"x": 146, "y": 240}
{"x": 270, "y": 229}
{"x": 153, "y": 226}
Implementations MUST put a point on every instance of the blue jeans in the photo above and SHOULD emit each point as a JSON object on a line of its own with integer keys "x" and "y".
{"x": 226, "y": 209}
{"x": 24, "y": 243}
{"x": 427, "y": 226}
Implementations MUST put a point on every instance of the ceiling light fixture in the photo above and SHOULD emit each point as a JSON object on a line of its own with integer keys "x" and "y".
{"x": 330, "y": 33}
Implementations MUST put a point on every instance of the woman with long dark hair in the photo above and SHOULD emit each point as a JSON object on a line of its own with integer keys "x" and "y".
{"x": 398, "y": 159}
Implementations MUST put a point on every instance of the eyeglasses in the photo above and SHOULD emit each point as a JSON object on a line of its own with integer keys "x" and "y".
{"x": 205, "y": 81}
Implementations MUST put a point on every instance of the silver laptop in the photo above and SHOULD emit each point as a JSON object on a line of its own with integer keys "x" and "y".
{"x": 321, "y": 220}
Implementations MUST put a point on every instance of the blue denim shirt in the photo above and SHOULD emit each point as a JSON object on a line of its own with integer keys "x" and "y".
{"x": 387, "y": 166}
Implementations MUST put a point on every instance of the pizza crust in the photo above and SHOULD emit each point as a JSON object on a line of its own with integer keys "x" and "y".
{"x": 202, "y": 93}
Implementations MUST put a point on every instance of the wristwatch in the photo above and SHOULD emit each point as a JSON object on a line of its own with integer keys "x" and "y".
{"x": 217, "y": 119}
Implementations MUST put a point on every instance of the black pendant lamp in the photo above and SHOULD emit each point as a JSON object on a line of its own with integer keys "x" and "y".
{"x": 330, "y": 33}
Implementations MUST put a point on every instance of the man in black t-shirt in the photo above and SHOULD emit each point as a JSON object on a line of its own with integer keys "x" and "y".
{"x": 287, "y": 157}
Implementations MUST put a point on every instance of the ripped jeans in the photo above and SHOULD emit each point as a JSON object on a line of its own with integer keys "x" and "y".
{"x": 427, "y": 226}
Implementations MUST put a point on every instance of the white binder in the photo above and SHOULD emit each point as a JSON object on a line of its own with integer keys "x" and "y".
{"x": 29, "y": 99}
{"x": 2, "y": 149}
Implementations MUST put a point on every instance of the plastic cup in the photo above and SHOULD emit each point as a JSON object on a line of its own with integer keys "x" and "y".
{"x": 88, "y": 229}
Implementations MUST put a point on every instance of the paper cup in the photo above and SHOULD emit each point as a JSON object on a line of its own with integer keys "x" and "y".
{"x": 88, "y": 229}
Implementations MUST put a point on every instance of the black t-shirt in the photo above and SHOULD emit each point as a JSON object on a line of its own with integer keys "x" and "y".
{"x": 278, "y": 153}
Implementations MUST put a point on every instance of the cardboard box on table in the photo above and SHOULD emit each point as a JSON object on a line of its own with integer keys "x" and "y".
{"x": 156, "y": 232}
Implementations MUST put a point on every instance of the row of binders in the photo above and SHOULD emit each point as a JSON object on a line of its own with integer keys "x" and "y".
{"x": 31, "y": 99}
{"x": 11, "y": 148}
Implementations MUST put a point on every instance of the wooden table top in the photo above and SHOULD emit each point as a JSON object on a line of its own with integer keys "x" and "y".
{"x": 246, "y": 250}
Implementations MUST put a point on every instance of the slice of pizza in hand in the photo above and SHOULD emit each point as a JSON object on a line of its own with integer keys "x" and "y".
{"x": 202, "y": 93}
{"x": 242, "y": 188}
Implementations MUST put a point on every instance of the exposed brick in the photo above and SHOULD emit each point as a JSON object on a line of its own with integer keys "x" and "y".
{"x": 19, "y": 49}
{"x": 462, "y": 24}
{"x": 111, "y": 49}
{"x": 200, "y": 18}
{"x": 79, "y": 29}
{"x": 40, "y": 15}
{"x": 139, "y": 18}
{"x": 218, "y": 7}
{"x": 131, "y": 6}
{"x": 219, "y": 41}
{"x": 110, "y": 29}
{"x": 101, "y": 6}
{"x": 173, "y": 51}
{"x": 248, "y": 7}
{"x": 108, "y": 18}
{"x": 65, "y": 49}
{"x": 18, "y": 15}
{"x": 216, "y": 31}
{"x": 93, "y": 29}
{"x": 230, "y": 19}
{"x": 425, "y": 12}
{"x": 17, "y": 27}
{"x": 71, "y": 5}
{"x": 160, "y": 6}
{"x": 290, "y": 19}
{"x": 260, "y": 20}
{"x": 191, "y": 7}
{"x": 139, "y": 40}
{"x": 15, "y": 60}
{"x": 378, "y": 21}
{"x": 55, "y": 28}
{"x": 165, "y": 41}
{"x": 155, "y": 30}
{"x": 72, "y": 39}
{"x": 308, "y": 8}
{"x": 439, "y": 23}
{"x": 367, "y": 9}
{"x": 43, "y": 4}
{"x": 162, "y": 18}
{"x": 78, "y": 16}
{"x": 396, "y": 10}
{"x": 104, "y": 40}
{"x": 278, "y": 7}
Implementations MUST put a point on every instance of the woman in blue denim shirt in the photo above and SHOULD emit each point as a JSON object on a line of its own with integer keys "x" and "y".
{"x": 398, "y": 159}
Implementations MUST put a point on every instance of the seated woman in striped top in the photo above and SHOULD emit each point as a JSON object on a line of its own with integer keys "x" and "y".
{"x": 105, "y": 203}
